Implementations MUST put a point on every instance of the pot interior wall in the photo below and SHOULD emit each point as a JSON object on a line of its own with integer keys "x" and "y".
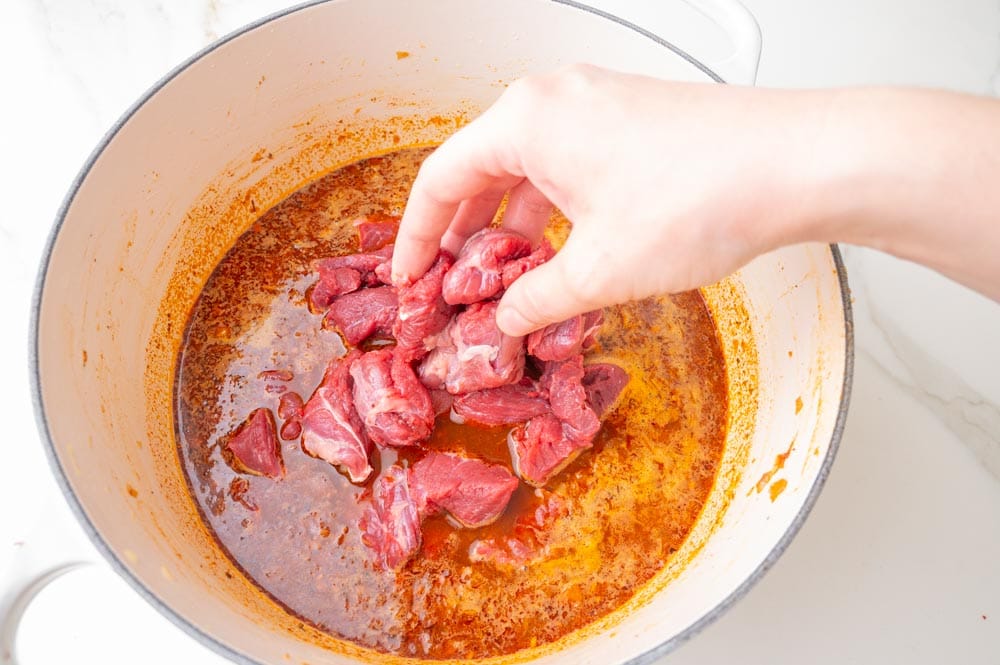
{"x": 256, "y": 118}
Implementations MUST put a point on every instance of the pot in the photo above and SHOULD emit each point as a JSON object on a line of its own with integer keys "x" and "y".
{"x": 279, "y": 103}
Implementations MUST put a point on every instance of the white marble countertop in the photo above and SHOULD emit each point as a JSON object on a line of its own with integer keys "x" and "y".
{"x": 900, "y": 559}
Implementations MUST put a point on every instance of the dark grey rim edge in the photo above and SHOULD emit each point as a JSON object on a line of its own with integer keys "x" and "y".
{"x": 224, "y": 649}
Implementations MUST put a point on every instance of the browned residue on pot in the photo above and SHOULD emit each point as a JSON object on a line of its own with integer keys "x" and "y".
{"x": 779, "y": 464}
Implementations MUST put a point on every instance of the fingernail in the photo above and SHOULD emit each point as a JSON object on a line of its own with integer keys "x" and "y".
{"x": 512, "y": 322}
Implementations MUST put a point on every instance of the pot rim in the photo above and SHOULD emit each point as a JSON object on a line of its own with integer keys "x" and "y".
{"x": 229, "y": 652}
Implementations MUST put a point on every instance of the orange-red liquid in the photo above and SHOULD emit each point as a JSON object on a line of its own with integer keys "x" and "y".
{"x": 631, "y": 500}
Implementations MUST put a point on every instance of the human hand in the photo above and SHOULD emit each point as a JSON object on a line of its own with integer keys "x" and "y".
{"x": 669, "y": 186}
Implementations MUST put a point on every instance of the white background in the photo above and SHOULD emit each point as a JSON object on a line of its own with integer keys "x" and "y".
{"x": 900, "y": 560}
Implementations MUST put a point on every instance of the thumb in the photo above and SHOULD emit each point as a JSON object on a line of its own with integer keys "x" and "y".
{"x": 567, "y": 285}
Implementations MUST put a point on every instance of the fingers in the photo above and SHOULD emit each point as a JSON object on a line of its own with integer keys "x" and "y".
{"x": 528, "y": 211}
{"x": 473, "y": 214}
{"x": 552, "y": 292}
{"x": 473, "y": 165}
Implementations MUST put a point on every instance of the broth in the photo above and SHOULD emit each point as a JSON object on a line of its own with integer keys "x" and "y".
{"x": 629, "y": 502}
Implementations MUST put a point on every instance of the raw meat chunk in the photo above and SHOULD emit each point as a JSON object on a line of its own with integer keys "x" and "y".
{"x": 376, "y": 231}
{"x": 423, "y": 313}
{"x": 332, "y": 283}
{"x": 473, "y": 492}
{"x": 563, "y": 382}
{"x": 344, "y": 274}
{"x": 331, "y": 427}
{"x": 364, "y": 313}
{"x": 390, "y": 524}
{"x": 603, "y": 382}
{"x": 290, "y": 406}
{"x": 254, "y": 446}
{"x": 546, "y": 444}
{"x": 395, "y": 407}
{"x": 477, "y": 273}
{"x": 514, "y": 269}
{"x": 540, "y": 449}
{"x": 290, "y": 410}
{"x": 563, "y": 340}
{"x": 442, "y": 401}
{"x": 506, "y": 405}
{"x": 472, "y": 354}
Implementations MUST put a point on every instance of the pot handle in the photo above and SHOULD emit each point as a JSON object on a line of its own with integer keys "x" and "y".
{"x": 735, "y": 19}
{"x": 18, "y": 603}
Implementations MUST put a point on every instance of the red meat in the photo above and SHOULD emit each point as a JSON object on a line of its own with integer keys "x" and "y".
{"x": 473, "y": 492}
{"x": 376, "y": 231}
{"x": 254, "y": 447}
{"x": 506, "y": 405}
{"x": 331, "y": 427}
{"x": 477, "y": 273}
{"x": 390, "y": 524}
{"x": 362, "y": 314}
{"x": 563, "y": 382}
{"x": 540, "y": 449}
{"x": 422, "y": 313}
{"x": 603, "y": 383}
{"x": 344, "y": 274}
{"x": 563, "y": 340}
{"x": 396, "y": 409}
{"x": 472, "y": 354}
{"x": 514, "y": 269}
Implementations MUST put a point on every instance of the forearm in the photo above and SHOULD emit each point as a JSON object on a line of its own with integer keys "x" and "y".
{"x": 914, "y": 173}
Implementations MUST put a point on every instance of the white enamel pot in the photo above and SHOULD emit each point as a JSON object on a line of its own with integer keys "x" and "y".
{"x": 234, "y": 130}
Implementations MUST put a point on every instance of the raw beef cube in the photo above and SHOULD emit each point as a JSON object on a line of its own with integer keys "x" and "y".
{"x": 390, "y": 524}
{"x": 331, "y": 427}
{"x": 473, "y": 492}
{"x": 442, "y": 401}
{"x": 364, "y": 313}
{"x": 376, "y": 231}
{"x": 506, "y": 405}
{"x": 514, "y": 269}
{"x": 563, "y": 340}
{"x": 477, "y": 273}
{"x": 332, "y": 283}
{"x": 343, "y": 274}
{"x": 423, "y": 313}
{"x": 540, "y": 449}
{"x": 254, "y": 446}
{"x": 603, "y": 382}
{"x": 563, "y": 382}
{"x": 395, "y": 407}
{"x": 472, "y": 354}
